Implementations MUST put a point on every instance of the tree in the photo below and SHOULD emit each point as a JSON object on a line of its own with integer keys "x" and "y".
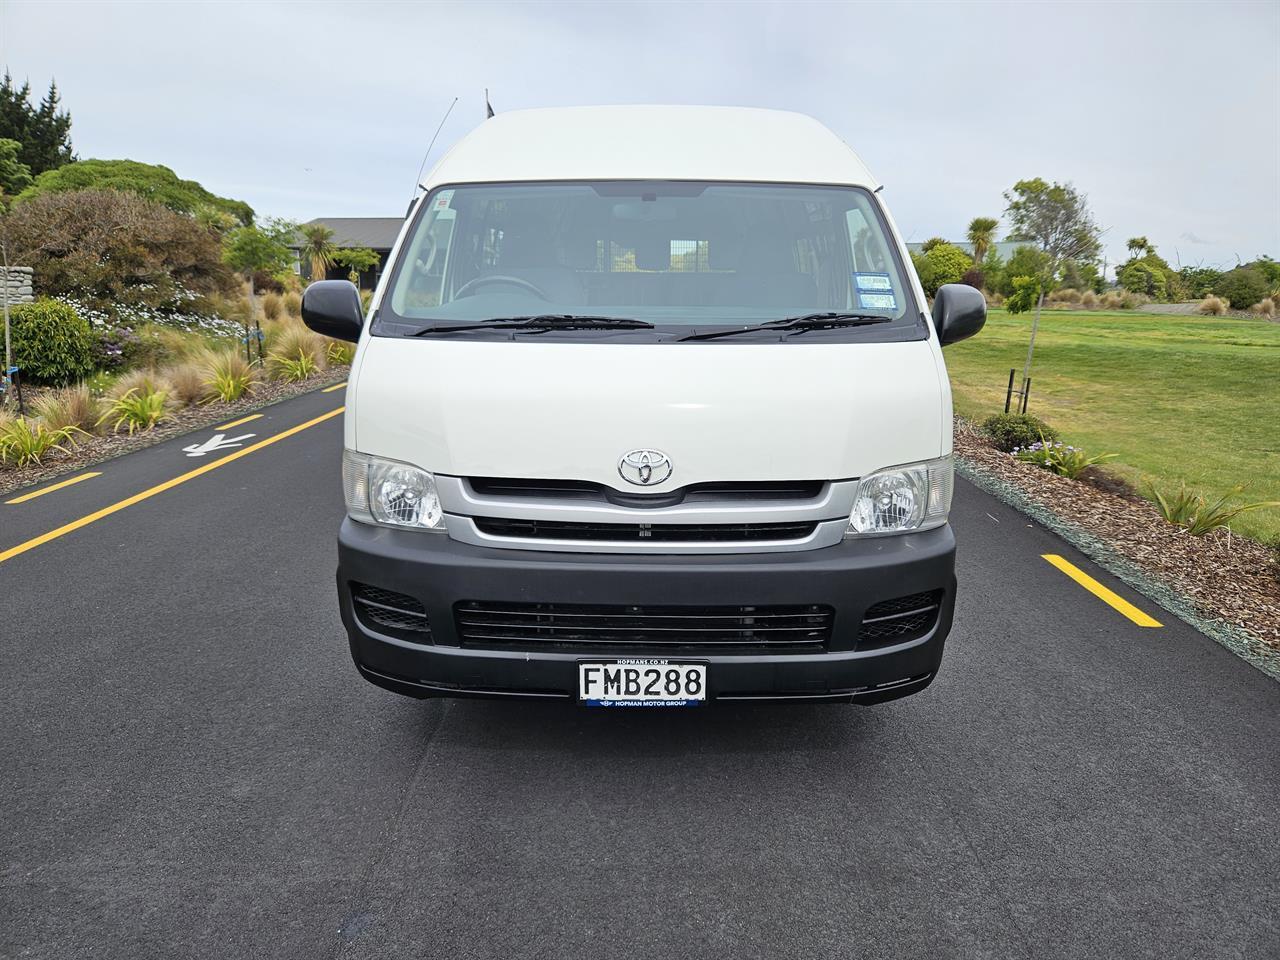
{"x": 356, "y": 260}
{"x": 1140, "y": 276}
{"x": 15, "y": 176}
{"x": 1242, "y": 287}
{"x": 317, "y": 249}
{"x": 1139, "y": 247}
{"x": 44, "y": 131}
{"x": 931, "y": 243}
{"x": 151, "y": 181}
{"x": 941, "y": 263}
{"x": 113, "y": 250}
{"x": 1055, "y": 218}
{"x": 1146, "y": 272}
{"x": 982, "y": 234}
{"x": 248, "y": 250}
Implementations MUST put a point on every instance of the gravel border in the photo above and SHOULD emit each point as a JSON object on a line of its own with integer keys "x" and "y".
{"x": 100, "y": 449}
{"x": 1048, "y": 500}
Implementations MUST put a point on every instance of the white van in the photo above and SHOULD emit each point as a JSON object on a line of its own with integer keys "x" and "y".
{"x": 648, "y": 411}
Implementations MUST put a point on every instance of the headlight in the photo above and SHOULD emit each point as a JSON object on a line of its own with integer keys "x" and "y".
{"x": 390, "y": 493}
{"x": 912, "y": 497}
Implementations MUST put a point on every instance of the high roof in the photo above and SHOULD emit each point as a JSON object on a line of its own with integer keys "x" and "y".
{"x": 652, "y": 143}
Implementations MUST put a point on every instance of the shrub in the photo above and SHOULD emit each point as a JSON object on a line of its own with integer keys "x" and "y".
{"x": 1065, "y": 295}
{"x": 1199, "y": 281}
{"x": 1065, "y": 461}
{"x": 339, "y": 353}
{"x": 272, "y": 306}
{"x": 973, "y": 277}
{"x": 1145, "y": 277}
{"x": 1266, "y": 307}
{"x": 940, "y": 264}
{"x": 1089, "y": 300}
{"x": 155, "y": 183}
{"x": 293, "y": 304}
{"x": 1026, "y": 261}
{"x": 143, "y": 381}
{"x": 138, "y": 409}
{"x": 187, "y": 382}
{"x": 1212, "y": 306}
{"x": 229, "y": 376}
{"x": 115, "y": 252}
{"x": 1242, "y": 286}
{"x": 51, "y": 342}
{"x": 1196, "y": 514}
{"x": 293, "y": 343}
{"x": 25, "y": 440}
{"x": 293, "y": 368}
{"x": 1010, "y": 431}
{"x": 1111, "y": 300}
{"x": 112, "y": 347}
{"x": 74, "y": 408}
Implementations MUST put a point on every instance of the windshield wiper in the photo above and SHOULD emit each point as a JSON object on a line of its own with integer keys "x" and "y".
{"x": 800, "y": 324}
{"x": 541, "y": 322}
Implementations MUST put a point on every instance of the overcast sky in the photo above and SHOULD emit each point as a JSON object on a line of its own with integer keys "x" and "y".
{"x": 1165, "y": 114}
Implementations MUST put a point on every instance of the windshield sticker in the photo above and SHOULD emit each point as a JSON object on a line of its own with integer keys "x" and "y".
{"x": 873, "y": 281}
{"x": 878, "y": 301}
{"x": 442, "y": 201}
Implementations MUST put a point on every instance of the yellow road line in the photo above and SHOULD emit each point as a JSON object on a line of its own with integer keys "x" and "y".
{"x": 159, "y": 488}
{"x": 236, "y": 423}
{"x": 1112, "y": 599}
{"x": 57, "y": 486}
{"x": 336, "y": 386}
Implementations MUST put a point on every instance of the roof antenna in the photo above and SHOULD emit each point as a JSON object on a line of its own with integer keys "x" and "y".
{"x": 418, "y": 178}
{"x": 488, "y": 107}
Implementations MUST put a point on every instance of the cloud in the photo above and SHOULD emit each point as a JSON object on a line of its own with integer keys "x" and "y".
{"x": 946, "y": 102}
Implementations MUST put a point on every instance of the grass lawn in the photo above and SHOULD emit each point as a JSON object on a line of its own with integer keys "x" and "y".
{"x": 1178, "y": 398}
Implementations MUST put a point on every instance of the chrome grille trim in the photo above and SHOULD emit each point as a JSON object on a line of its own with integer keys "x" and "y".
{"x": 825, "y": 534}
{"x": 834, "y": 501}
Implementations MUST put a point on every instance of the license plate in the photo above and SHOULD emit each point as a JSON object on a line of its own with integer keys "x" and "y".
{"x": 642, "y": 683}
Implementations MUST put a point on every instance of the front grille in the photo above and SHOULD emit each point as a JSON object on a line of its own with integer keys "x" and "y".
{"x": 644, "y": 532}
{"x": 899, "y": 620}
{"x": 710, "y": 492}
{"x": 386, "y": 608}
{"x": 798, "y": 629}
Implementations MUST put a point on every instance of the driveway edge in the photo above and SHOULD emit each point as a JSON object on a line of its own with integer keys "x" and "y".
{"x": 1236, "y": 639}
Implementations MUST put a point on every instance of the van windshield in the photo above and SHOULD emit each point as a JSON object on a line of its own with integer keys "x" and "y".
{"x": 682, "y": 256}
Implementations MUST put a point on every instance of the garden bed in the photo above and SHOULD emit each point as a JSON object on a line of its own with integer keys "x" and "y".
{"x": 91, "y": 450}
{"x": 1228, "y": 586}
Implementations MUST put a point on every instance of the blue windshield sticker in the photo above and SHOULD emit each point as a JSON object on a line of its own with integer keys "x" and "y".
{"x": 876, "y": 282}
{"x": 877, "y": 301}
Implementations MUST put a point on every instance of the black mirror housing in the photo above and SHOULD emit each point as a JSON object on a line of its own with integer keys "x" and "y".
{"x": 959, "y": 311}
{"x": 332, "y": 307}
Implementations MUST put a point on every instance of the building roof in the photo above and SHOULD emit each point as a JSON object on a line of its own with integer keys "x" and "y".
{"x": 377, "y": 233}
{"x": 651, "y": 143}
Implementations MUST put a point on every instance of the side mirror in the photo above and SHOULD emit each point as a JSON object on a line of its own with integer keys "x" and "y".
{"x": 332, "y": 307}
{"x": 959, "y": 311}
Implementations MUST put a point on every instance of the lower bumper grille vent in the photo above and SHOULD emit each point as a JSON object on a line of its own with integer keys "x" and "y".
{"x": 899, "y": 620}
{"x": 388, "y": 609}
{"x": 801, "y": 628}
{"x": 644, "y": 532}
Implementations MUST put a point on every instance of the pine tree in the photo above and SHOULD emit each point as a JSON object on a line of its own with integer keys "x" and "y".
{"x": 44, "y": 132}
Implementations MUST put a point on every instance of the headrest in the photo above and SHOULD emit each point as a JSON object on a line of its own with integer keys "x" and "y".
{"x": 653, "y": 253}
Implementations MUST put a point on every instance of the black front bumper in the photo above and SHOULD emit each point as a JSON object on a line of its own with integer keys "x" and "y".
{"x": 849, "y": 577}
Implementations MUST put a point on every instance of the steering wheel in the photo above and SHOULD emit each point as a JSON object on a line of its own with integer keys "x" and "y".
{"x": 470, "y": 287}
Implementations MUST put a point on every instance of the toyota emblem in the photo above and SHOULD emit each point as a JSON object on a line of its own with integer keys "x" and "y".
{"x": 644, "y": 468}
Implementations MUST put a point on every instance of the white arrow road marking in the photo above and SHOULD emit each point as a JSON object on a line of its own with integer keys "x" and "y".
{"x": 217, "y": 442}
